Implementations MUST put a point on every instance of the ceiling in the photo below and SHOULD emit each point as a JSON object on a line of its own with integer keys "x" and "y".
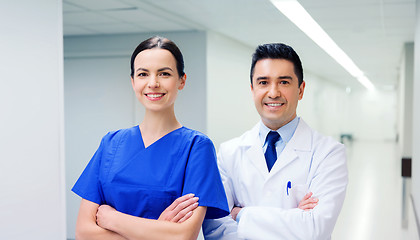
{"x": 371, "y": 32}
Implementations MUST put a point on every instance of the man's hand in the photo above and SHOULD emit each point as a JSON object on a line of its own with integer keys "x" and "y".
{"x": 234, "y": 212}
{"x": 180, "y": 210}
{"x": 308, "y": 202}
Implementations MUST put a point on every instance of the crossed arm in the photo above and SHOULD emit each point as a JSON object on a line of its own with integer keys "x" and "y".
{"x": 328, "y": 182}
{"x": 307, "y": 203}
{"x": 181, "y": 220}
{"x": 226, "y": 228}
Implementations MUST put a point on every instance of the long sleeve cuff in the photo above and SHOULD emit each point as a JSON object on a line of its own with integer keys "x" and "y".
{"x": 238, "y": 217}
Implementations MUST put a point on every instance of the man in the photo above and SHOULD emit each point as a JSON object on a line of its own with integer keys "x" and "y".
{"x": 271, "y": 171}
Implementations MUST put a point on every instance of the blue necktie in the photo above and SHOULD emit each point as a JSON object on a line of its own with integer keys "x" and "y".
{"x": 270, "y": 153}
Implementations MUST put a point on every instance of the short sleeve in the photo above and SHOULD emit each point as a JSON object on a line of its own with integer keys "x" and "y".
{"x": 202, "y": 178}
{"x": 88, "y": 185}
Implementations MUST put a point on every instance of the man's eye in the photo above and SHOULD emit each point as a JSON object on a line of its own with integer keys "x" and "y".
{"x": 262, "y": 82}
{"x": 284, "y": 82}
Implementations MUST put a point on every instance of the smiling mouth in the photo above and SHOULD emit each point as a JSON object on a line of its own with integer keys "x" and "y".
{"x": 274, "y": 104}
{"x": 154, "y": 95}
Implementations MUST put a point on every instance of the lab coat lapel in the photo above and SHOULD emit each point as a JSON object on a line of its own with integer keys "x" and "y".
{"x": 254, "y": 152}
{"x": 297, "y": 148}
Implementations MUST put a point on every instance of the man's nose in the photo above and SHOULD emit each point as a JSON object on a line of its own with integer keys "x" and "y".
{"x": 274, "y": 91}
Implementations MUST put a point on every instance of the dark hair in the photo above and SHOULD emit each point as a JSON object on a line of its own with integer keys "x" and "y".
{"x": 162, "y": 43}
{"x": 277, "y": 51}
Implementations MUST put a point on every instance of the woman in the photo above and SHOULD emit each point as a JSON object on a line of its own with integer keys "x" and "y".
{"x": 137, "y": 173}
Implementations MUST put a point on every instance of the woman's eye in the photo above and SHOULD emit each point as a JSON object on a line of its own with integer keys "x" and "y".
{"x": 166, "y": 74}
{"x": 143, "y": 74}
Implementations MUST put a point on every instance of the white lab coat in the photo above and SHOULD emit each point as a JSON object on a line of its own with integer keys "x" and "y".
{"x": 310, "y": 162}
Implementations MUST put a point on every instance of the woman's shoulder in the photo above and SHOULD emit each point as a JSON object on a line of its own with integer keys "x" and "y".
{"x": 194, "y": 135}
{"x": 115, "y": 136}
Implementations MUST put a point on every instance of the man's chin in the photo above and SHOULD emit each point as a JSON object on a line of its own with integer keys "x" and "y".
{"x": 275, "y": 122}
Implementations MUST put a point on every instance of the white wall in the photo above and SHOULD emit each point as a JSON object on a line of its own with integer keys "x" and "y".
{"x": 96, "y": 101}
{"x": 416, "y": 117}
{"x": 32, "y": 199}
{"x": 99, "y": 97}
{"x": 230, "y": 108}
{"x": 373, "y": 115}
{"x": 405, "y": 101}
{"x": 367, "y": 115}
{"x": 324, "y": 106}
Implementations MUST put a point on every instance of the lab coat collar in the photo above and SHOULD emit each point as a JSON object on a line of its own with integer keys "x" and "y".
{"x": 301, "y": 139}
{"x": 299, "y": 145}
{"x": 252, "y": 136}
{"x": 253, "y": 150}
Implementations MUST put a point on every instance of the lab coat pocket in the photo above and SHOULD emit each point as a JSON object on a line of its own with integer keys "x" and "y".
{"x": 296, "y": 194}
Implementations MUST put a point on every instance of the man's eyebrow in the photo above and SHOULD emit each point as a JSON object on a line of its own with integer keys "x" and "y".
{"x": 261, "y": 78}
{"x": 280, "y": 77}
{"x": 285, "y": 77}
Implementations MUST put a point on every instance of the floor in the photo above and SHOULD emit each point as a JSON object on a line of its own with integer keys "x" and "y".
{"x": 374, "y": 203}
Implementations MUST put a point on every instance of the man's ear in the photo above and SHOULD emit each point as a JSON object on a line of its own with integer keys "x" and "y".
{"x": 301, "y": 90}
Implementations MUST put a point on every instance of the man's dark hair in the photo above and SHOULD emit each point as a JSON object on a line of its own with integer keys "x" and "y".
{"x": 277, "y": 51}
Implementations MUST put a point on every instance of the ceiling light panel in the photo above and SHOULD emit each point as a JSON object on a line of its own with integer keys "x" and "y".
{"x": 98, "y": 5}
{"x": 301, "y": 18}
{"x": 79, "y": 18}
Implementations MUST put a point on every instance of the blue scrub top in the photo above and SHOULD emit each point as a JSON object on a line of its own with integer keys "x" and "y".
{"x": 144, "y": 181}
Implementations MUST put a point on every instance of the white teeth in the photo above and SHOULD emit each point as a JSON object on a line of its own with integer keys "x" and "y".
{"x": 274, "y": 104}
{"x": 154, "y": 95}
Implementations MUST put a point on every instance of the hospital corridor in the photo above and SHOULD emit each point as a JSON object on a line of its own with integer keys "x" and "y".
{"x": 69, "y": 77}
{"x": 376, "y": 207}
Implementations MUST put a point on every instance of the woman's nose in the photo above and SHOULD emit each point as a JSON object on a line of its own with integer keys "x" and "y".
{"x": 153, "y": 82}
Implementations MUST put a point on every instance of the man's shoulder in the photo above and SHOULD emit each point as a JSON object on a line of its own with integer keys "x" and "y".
{"x": 324, "y": 140}
{"x": 305, "y": 135}
{"x": 324, "y": 143}
{"x": 316, "y": 135}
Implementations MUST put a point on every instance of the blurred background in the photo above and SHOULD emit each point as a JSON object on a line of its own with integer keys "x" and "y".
{"x": 65, "y": 83}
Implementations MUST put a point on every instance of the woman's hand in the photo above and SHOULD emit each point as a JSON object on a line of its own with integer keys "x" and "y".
{"x": 104, "y": 216}
{"x": 308, "y": 202}
{"x": 181, "y": 209}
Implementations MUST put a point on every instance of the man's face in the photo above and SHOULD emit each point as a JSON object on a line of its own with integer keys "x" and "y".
{"x": 276, "y": 92}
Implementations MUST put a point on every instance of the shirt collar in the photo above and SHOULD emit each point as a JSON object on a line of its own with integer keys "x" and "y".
{"x": 286, "y": 132}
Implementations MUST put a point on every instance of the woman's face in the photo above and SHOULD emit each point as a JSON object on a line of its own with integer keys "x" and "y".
{"x": 156, "y": 80}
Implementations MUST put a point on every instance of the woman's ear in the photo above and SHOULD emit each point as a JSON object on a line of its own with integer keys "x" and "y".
{"x": 132, "y": 82}
{"x": 182, "y": 82}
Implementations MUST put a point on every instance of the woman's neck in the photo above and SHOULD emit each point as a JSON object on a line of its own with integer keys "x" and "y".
{"x": 156, "y": 125}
